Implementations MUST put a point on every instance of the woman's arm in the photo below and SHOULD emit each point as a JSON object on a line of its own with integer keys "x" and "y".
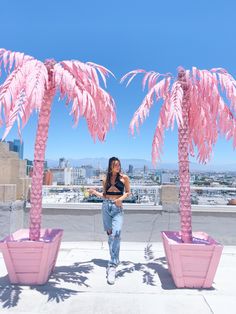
{"x": 98, "y": 194}
{"x": 94, "y": 192}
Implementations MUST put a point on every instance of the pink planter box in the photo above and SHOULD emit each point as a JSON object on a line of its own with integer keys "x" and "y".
{"x": 192, "y": 265}
{"x": 31, "y": 262}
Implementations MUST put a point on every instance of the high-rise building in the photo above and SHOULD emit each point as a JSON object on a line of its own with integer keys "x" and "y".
{"x": 89, "y": 170}
{"x": 29, "y": 167}
{"x": 68, "y": 176}
{"x": 78, "y": 175}
{"x": 17, "y": 146}
{"x": 62, "y": 163}
{"x": 131, "y": 170}
{"x": 45, "y": 164}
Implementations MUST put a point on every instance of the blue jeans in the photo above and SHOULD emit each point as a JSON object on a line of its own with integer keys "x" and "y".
{"x": 112, "y": 220}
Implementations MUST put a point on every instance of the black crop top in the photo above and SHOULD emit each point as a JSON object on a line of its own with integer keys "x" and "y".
{"x": 119, "y": 185}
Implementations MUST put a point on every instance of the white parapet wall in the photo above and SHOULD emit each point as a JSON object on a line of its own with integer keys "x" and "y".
{"x": 169, "y": 198}
{"x": 7, "y": 193}
{"x": 11, "y": 217}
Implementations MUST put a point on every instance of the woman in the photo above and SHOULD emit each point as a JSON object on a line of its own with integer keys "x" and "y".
{"x": 116, "y": 188}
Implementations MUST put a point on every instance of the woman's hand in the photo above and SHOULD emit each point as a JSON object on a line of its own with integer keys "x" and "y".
{"x": 118, "y": 203}
{"x": 91, "y": 191}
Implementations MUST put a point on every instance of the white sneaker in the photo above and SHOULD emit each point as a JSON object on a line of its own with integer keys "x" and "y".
{"x": 111, "y": 275}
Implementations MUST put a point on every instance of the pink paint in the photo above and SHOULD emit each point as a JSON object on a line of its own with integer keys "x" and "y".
{"x": 31, "y": 85}
{"x": 31, "y": 262}
{"x": 194, "y": 101}
{"x": 192, "y": 265}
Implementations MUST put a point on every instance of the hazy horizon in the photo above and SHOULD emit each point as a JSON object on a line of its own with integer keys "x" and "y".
{"x": 139, "y": 163}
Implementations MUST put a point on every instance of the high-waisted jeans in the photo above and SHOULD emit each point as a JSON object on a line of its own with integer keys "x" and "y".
{"x": 112, "y": 221}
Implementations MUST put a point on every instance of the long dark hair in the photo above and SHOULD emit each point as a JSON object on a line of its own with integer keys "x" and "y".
{"x": 109, "y": 173}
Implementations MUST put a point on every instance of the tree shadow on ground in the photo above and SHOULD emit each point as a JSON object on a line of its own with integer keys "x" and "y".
{"x": 10, "y": 294}
{"x": 152, "y": 268}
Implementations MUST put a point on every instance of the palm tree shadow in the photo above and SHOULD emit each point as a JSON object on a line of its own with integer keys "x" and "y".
{"x": 9, "y": 294}
{"x": 76, "y": 274}
{"x": 150, "y": 269}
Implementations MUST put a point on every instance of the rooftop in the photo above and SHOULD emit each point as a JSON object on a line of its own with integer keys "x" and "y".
{"x": 143, "y": 284}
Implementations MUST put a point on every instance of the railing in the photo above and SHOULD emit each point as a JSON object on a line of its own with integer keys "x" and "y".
{"x": 79, "y": 194}
{"x": 212, "y": 195}
{"x": 140, "y": 194}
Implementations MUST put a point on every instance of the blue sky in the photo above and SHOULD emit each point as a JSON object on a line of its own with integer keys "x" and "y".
{"x": 121, "y": 35}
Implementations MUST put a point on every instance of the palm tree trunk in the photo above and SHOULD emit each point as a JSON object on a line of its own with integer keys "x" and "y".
{"x": 184, "y": 175}
{"x": 39, "y": 158}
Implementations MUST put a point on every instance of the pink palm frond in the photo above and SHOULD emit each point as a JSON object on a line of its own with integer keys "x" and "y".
{"x": 208, "y": 114}
{"x": 156, "y": 90}
{"x": 16, "y": 111}
{"x": 23, "y": 89}
{"x": 101, "y": 69}
{"x": 162, "y": 124}
{"x": 202, "y": 114}
{"x": 10, "y": 90}
{"x": 228, "y": 85}
{"x": 36, "y": 78}
{"x": 150, "y": 77}
{"x": 80, "y": 84}
{"x": 132, "y": 75}
{"x": 157, "y": 142}
{"x": 11, "y": 59}
{"x": 176, "y": 98}
{"x": 160, "y": 90}
{"x": 227, "y": 123}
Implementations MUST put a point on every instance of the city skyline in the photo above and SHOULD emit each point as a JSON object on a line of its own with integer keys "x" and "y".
{"x": 145, "y": 38}
{"x": 140, "y": 163}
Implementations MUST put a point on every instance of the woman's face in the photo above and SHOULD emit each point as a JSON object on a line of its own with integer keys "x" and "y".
{"x": 116, "y": 166}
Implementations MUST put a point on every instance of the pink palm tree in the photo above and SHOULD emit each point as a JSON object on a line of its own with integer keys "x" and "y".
{"x": 196, "y": 100}
{"x": 32, "y": 84}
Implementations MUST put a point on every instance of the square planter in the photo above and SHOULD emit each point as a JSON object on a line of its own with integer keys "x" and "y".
{"x": 31, "y": 262}
{"x": 192, "y": 265}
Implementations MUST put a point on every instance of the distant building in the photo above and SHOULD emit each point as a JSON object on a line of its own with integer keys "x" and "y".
{"x": 89, "y": 170}
{"x": 68, "y": 176}
{"x": 97, "y": 172}
{"x": 47, "y": 177}
{"x": 78, "y": 175}
{"x": 62, "y": 176}
{"x": 17, "y": 146}
{"x": 215, "y": 184}
{"x": 58, "y": 176}
{"x": 29, "y": 167}
{"x": 131, "y": 170}
{"x": 165, "y": 178}
{"x": 14, "y": 182}
{"x": 145, "y": 169}
{"x": 45, "y": 164}
{"x": 63, "y": 163}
